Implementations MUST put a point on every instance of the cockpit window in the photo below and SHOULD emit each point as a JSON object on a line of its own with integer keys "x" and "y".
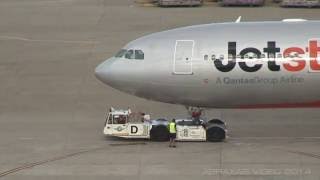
{"x": 121, "y": 53}
{"x": 130, "y": 54}
{"x": 139, "y": 54}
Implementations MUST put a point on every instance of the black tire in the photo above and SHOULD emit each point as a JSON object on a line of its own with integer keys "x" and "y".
{"x": 159, "y": 133}
{"x": 216, "y": 121}
{"x": 216, "y": 134}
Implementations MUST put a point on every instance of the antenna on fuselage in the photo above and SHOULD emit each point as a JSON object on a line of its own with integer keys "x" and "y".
{"x": 238, "y": 20}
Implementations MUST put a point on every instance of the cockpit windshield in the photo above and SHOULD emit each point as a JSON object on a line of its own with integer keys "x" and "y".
{"x": 139, "y": 54}
{"x": 131, "y": 54}
{"x": 121, "y": 53}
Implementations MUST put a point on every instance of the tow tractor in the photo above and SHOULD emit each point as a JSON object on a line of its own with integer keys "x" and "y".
{"x": 125, "y": 124}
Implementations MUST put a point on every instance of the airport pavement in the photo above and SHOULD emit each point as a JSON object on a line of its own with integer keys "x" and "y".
{"x": 52, "y": 108}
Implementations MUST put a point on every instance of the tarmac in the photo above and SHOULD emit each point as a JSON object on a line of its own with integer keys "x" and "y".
{"x": 52, "y": 108}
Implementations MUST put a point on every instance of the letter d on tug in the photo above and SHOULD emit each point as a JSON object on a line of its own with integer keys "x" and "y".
{"x": 133, "y": 129}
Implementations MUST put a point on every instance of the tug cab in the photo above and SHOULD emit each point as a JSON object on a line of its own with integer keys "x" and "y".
{"x": 121, "y": 123}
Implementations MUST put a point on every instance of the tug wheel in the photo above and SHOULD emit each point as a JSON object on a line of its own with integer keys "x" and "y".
{"x": 159, "y": 133}
{"x": 216, "y": 134}
{"x": 216, "y": 121}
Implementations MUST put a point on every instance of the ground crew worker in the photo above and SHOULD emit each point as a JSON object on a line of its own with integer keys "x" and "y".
{"x": 172, "y": 133}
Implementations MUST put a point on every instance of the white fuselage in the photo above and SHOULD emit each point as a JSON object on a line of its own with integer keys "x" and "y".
{"x": 226, "y": 65}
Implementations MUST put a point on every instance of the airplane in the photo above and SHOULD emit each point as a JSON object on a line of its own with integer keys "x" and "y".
{"x": 267, "y": 64}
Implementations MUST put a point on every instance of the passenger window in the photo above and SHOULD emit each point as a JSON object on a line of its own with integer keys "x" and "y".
{"x": 121, "y": 53}
{"x": 205, "y": 57}
{"x": 139, "y": 54}
{"x": 130, "y": 54}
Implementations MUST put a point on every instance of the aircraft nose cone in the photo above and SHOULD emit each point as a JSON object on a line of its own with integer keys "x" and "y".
{"x": 99, "y": 71}
{"x": 103, "y": 71}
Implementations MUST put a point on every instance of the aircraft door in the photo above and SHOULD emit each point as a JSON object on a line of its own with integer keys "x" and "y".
{"x": 183, "y": 55}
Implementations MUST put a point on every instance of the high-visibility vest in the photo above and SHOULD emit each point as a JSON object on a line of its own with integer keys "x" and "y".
{"x": 172, "y": 127}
